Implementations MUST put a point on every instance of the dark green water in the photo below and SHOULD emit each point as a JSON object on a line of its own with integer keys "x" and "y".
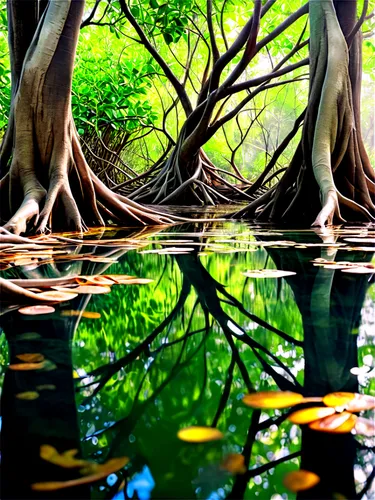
{"x": 183, "y": 350}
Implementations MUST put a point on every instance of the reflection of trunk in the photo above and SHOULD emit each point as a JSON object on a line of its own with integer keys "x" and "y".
{"x": 330, "y": 317}
{"x": 49, "y": 419}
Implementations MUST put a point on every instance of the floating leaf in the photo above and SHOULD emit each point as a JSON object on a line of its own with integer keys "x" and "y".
{"x": 31, "y": 357}
{"x": 28, "y": 395}
{"x": 29, "y": 336}
{"x": 272, "y": 399}
{"x": 66, "y": 459}
{"x": 21, "y": 367}
{"x": 102, "y": 471}
{"x": 361, "y": 402}
{"x": 94, "y": 280}
{"x": 57, "y": 296}
{"x": 83, "y": 314}
{"x": 197, "y": 434}
{"x": 46, "y": 387}
{"x": 234, "y": 463}
{"x": 339, "y": 423}
{"x": 267, "y": 273}
{"x": 300, "y": 480}
{"x": 360, "y": 240}
{"x": 128, "y": 280}
{"x": 365, "y": 427}
{"x": 36, "y": 310}
{"x": 308, "y": 415}
{"x": 359, "y": 270}
{"x": 338, "y": 399}
{"x": 92, "y": 289}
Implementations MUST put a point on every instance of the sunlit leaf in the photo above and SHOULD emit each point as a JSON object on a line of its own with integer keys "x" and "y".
{"x": 83, "y": 314}
{"x": 272, "y": 399}
{"x": 234, "y": 463}
{"x": 197, "y": 434}
{"x": 365, "y": 427}
{"x": 57, "y": 296}
{"x": 31, "y": 357}
{"x": 102, "y": 471}
{"x": 339, "y": 423}
{"x": 308, "y": 415}
{"x": 300, "y": 480}
{"x": 36, "y": 310}
{"x": 28, "y": 395}
{"x": 268, "y": 273}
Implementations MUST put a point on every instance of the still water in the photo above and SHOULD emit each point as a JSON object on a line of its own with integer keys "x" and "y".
{"x": 123, "y": 372}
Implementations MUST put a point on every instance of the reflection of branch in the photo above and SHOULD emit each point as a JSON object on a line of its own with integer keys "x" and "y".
{"x": 226, "y": 392}
{"x": 111, "y": 369}
{"x": 264, "y": 468}
{"x": 240, "y": 484}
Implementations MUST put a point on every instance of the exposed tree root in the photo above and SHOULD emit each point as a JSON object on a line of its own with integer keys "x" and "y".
{"x": 49, "y": 184}
{"x": 330, "y": 164}
{"x": 197, "y": 181}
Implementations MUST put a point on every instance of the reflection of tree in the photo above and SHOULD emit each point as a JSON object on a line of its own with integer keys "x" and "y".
{"x": 330, "y": 303}
{"x": 204, "y": 311}
{"x": 49, "y": 419}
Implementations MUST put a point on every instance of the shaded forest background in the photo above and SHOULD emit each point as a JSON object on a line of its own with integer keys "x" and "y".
{"x": 127, "y": 112}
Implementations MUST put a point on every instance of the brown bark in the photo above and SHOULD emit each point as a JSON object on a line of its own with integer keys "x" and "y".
{"x": 50, "y": 183}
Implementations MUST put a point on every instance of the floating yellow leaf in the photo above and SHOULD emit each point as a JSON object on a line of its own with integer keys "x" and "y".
{"x": 31, "y": 357}
{"x": 66, "y": 459}
{"x": 102, "y": 471}
{"x": 83, "y": 314}
{"x": 300, "y": 480}
{"x": 339, "y": 423}
{"x": 28, "y": 395}
{"x": 272, "y": 399}
{"x": 36, "y": 310}
{"x": 268, "y": 273}
{"x": 308, "y": 415}
{"x": 365, "y": 427}
{"x": 234, "y": 463}
{"x": 338, "y": 399}
{"x": 197, "y": 434}
{"x": 351, "y": 401}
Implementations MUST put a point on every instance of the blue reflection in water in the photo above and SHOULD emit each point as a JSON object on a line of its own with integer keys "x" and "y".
{"x": 142, "y": 483}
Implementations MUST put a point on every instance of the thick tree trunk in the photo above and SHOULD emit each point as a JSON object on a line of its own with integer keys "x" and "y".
{"x": 330, "y": 176}
{"x": 48, "y": 176}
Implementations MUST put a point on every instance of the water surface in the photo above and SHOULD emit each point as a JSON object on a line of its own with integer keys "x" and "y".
{"x": 182, "y": 351}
